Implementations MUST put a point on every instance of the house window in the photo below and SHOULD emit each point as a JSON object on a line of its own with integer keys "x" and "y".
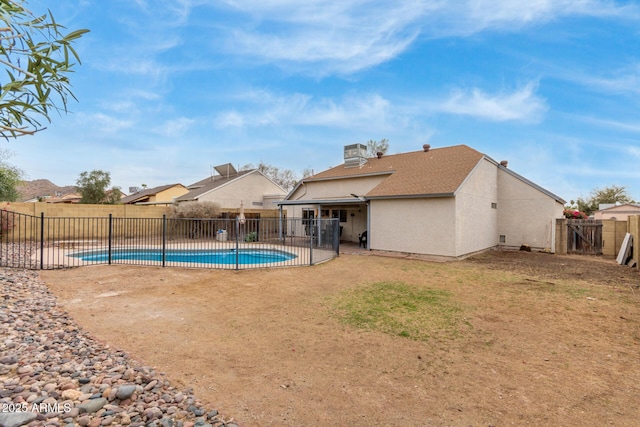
{"x": 494, "y": 205}
{"x": 503, "y": 238}
{"x": 339, "y": 213}
{"x": 307, "y": 216}
{"x": 307, "y": 220}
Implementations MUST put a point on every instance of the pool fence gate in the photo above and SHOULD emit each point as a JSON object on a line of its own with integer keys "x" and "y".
{"x": 39, "y": 242}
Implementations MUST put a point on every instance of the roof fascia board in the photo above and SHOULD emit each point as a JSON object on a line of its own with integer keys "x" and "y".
{"x": 364, "y": 175}
{"x": 353, "y": 201}
{"x": 412, "y": 196}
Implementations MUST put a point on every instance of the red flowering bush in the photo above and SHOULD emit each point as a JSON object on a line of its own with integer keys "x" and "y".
{"x": 574, "y": 214}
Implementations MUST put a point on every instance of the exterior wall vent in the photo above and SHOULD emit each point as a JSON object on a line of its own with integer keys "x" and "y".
{"x": 355, "y": 155}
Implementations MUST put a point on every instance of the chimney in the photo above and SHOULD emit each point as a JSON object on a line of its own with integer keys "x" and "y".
{"x": 379, "y": 154}
{"x": 426, "y": 147}
{"x": 504, "y": 163}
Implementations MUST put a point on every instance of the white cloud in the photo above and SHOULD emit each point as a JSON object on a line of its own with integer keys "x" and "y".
{"x": 625, "y": 80}
{"x": 471, "y": 16}
{"x": 267, "y": 109}
{"x": 634, "y": 152}
{"x": 105, "y": 123}
{"x": 521, "y": 105}
{"x": 323, "y": 36}
{"x": 327, "y": 37}
{"x": 230, "y": 119}
{"x": 633, "y": 127}
{"x": 174, "y": 128}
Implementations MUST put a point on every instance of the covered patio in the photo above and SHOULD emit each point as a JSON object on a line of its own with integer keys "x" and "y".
{"x": 352, "y": 213}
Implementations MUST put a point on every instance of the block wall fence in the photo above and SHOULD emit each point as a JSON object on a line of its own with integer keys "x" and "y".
{"x": 613, "y": 233}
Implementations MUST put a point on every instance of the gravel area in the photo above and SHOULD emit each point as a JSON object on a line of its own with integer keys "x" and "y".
{"x": 52, "y": 373}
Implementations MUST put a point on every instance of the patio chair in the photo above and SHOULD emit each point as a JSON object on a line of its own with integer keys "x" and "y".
{"x": 362, "y": 240}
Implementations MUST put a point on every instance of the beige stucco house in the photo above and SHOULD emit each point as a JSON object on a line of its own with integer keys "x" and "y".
{"x": 161, "y": 195}
{"x": 448, "y": 202}
{"x": 230, "y": 188}
{"x": 617, "y": 212}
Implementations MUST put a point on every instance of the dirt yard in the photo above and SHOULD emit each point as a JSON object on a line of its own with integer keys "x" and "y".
{"x": 541, "y": 340}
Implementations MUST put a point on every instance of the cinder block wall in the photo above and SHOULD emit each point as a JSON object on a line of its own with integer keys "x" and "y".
{"x": 561, "y": 236}
{"x": 613, "y": 233}
{"x": 69, "y": 210}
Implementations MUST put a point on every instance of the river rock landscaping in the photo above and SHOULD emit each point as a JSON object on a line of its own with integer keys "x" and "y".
{"x": 52, "y": 373}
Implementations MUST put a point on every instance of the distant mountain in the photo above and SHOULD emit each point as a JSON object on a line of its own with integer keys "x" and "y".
{"x": 42, "y": 188}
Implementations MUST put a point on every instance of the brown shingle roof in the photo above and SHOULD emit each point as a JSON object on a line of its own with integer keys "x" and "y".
{"x": 437, "y": 171}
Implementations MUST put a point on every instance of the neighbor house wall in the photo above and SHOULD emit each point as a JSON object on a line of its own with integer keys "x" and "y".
{"x": 421, "y": 226}
{"x": 270, "y": 201}
{"x": 620, "y": 213}
{"x": 170, "y": 194}
{"x": 526, "y": 215}
{"x": 477, "y": 221}
{"x": 249, "y": 189}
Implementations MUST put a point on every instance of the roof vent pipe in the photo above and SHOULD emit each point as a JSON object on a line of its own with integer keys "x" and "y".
{"x": 504, "y": 163}
{"x": 379, "y": 154}
{"x": 426, "y": 147}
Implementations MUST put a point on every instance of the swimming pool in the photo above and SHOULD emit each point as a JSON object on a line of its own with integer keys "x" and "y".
{"x": 192, "y": 256}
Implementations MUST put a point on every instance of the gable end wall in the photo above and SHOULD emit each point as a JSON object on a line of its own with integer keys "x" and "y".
{"x": 525, "y": 214}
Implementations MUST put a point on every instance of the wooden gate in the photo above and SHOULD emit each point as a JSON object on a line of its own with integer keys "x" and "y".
{"x": 584, "y": 236}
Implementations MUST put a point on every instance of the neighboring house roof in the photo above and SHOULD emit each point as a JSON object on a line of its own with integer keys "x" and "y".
{"x": 433, "y": 172}
{"x": 145, "y": 195}
{"x": 617, "y": 212}
{"x": 196, "y": 190}
{"x": 613, "y": 206}
{"x": 67, "y": 198}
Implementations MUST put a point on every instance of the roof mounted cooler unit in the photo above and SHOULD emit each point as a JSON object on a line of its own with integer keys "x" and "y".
{"x": 355, "y": 155}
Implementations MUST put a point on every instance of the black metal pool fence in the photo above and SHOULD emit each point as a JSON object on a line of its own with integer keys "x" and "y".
{"x": 39, "y": 242}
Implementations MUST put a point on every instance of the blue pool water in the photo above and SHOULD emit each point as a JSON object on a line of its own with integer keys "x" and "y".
{"x": 218, "y": 256}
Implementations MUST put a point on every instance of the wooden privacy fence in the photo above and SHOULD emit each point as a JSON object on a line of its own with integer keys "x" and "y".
{"x": 584, "y": 236}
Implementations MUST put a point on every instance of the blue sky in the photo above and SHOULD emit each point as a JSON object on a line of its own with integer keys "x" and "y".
{"x": 166, "y": 89}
